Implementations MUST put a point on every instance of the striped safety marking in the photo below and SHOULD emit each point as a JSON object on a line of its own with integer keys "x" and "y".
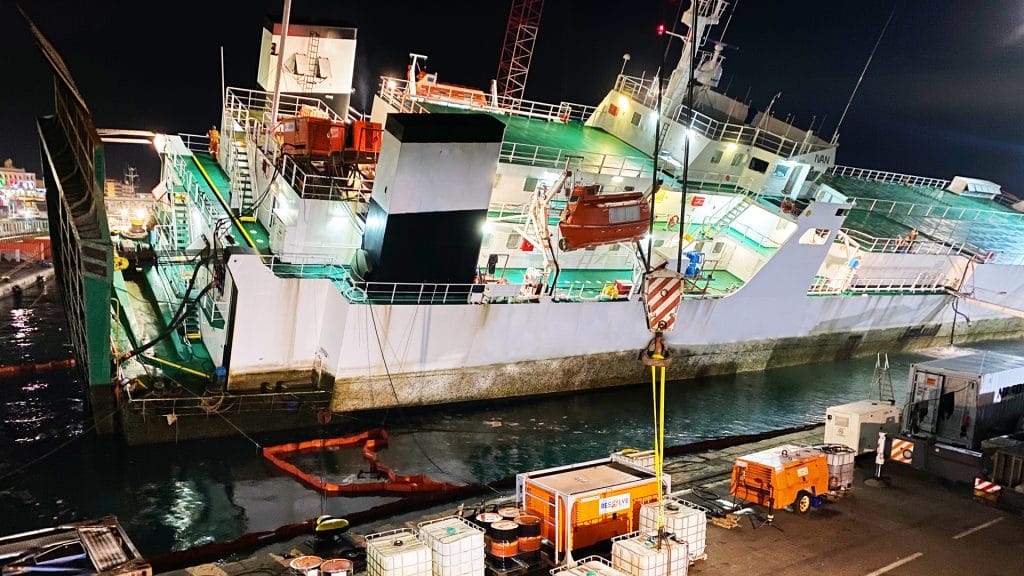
{"x": 986, "y": 486}
{"x": 902, "y": 451}
{"x": 662, "y": 295}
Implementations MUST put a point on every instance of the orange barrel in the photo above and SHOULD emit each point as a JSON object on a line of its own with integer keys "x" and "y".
{"x": 528, "y": 537}
{"x": 486, "y": 519}
{"x": 336, "y": 567}
{"x": 504, "y": 543}
{"x": 510, "y": 513}
{"x": 306, "y": 566}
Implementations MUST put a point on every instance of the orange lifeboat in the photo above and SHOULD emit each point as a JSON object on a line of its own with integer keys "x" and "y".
{"x": 593, "y": 219}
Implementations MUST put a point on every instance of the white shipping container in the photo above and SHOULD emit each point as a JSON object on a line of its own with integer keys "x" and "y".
{"x": 857, "y": 424}
{"x": 640, "y": 556}
{"x": 457, "y": 547}
{"x": 397, "y": 553}
{"x": 684, "y": 522}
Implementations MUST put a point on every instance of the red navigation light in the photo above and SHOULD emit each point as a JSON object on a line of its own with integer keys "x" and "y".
{"x": 661, "y": 29}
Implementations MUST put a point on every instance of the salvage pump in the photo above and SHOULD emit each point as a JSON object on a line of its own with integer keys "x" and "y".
{"x": 663, "y": 292}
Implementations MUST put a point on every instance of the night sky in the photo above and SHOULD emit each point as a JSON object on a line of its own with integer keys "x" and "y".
{"x": 943, "y": 96}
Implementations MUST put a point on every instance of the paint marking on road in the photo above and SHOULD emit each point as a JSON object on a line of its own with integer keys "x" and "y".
{"x": 970, "y": 531}
{"x": 897, "y": 564}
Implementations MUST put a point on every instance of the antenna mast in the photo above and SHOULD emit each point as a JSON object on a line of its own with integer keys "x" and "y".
{"x": 835, "y": 135}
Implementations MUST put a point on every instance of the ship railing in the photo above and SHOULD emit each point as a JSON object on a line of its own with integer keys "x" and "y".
{"x": 761, "y": 239}
{"x": 395, "y": 91}
{"x": 883, "y": 176}
{"x": 644, "y": 91}
{"x": 292, "y": 265}
{"x": 258, "y": 104}
{"x": 229, "y": 403}
{"x": 922, "y": 283}
{"x": 869, "y": 243}
{"x": 15, "y": 228}
{"x": 934, "y": 211}
{"x": 249, "y": 110}
{"x": 214, "y": 310}
{"x": 321, "y": 187}
{"x": 559, "y": 159}
{"x": 211, "y": 211}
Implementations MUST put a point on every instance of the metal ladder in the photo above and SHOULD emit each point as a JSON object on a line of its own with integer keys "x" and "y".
{"x": 720, "y": 222}
{"x": 241, "y": 177}
{"x": 182, "y": 231}
{"x": 310, "y": 77}
{"x": 883, "y": 379}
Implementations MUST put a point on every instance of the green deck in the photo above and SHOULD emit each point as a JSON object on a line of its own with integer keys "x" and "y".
{"x": 572, "y": 136}
{"x": 999, "y": 229}
{"x": 216, "y": 188}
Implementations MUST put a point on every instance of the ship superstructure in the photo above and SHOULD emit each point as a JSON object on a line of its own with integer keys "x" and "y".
{"x": 424, "y": 253}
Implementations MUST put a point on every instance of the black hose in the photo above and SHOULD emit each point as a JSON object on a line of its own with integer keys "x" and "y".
{"x": 183, "y": 309}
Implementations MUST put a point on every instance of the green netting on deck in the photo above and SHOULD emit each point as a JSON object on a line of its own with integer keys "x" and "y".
{"x": 995, "y": 228}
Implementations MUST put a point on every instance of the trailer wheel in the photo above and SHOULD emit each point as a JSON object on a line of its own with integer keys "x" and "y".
{"x": 803, "y": 502}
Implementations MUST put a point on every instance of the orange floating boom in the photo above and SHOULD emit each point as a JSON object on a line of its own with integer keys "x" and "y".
{"x": 370, "y": 441}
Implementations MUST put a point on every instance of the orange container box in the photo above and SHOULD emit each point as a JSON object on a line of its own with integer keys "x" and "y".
{"x": 780, "y": 477}
{"x": 583, "y": 504}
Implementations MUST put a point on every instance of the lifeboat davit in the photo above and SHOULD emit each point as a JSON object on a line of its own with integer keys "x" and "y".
{"x": 593, "y": 219}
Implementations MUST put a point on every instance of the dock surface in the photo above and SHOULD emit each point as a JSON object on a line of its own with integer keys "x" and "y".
{"x": 913, "y": 526}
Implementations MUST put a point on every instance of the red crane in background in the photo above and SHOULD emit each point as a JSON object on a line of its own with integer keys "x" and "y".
{"x": 517, "y": 50}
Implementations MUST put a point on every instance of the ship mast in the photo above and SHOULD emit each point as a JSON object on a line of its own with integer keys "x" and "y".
{"x": 709, "y": 13}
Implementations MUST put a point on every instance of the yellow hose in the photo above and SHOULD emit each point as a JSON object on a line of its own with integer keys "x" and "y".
{"x": 658, "y": 397}
{"x": 224, "y": 203}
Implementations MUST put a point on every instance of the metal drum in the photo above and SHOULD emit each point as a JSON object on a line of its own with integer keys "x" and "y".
{"x": 336, "y": 567}
{"x": 486, "y": 519}
{"x": 528, "y": 537}
{"x": 504, "y": 543}
{"x": 306, "y": 566}
{"x": 510, "y": 513}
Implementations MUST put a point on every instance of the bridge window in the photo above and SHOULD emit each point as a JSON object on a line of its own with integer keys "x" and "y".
{"x": 513, "y": 241}
{"x": 635, "y": 121}
{"x": 531, "y": 184}
{"x": 739, "y": 159}
{"x": 716, "y": 157}
{"x": 758, "y": 165}
{"x": 815, "y": 236}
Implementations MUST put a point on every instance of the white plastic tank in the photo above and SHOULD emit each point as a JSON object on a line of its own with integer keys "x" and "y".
{"x": 397, "y": 553}
{"x": 457, "y": 547}
{"x": 640, "y": 555}
{"x": 684, "y": 522}
{"x": 589, "y": 566}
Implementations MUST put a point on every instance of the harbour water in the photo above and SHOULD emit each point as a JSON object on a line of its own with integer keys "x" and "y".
{"x": 173, "y": 497}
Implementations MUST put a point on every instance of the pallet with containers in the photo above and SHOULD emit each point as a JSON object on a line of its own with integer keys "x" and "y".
{"x": 397, "y": 553}
{"x": 456, "y": 545}
{"x": 640, "y": 554}
{"x": 683, "y": 521}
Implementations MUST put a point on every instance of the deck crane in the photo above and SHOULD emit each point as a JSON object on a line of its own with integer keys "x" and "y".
{"x": 517, "y": 49}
